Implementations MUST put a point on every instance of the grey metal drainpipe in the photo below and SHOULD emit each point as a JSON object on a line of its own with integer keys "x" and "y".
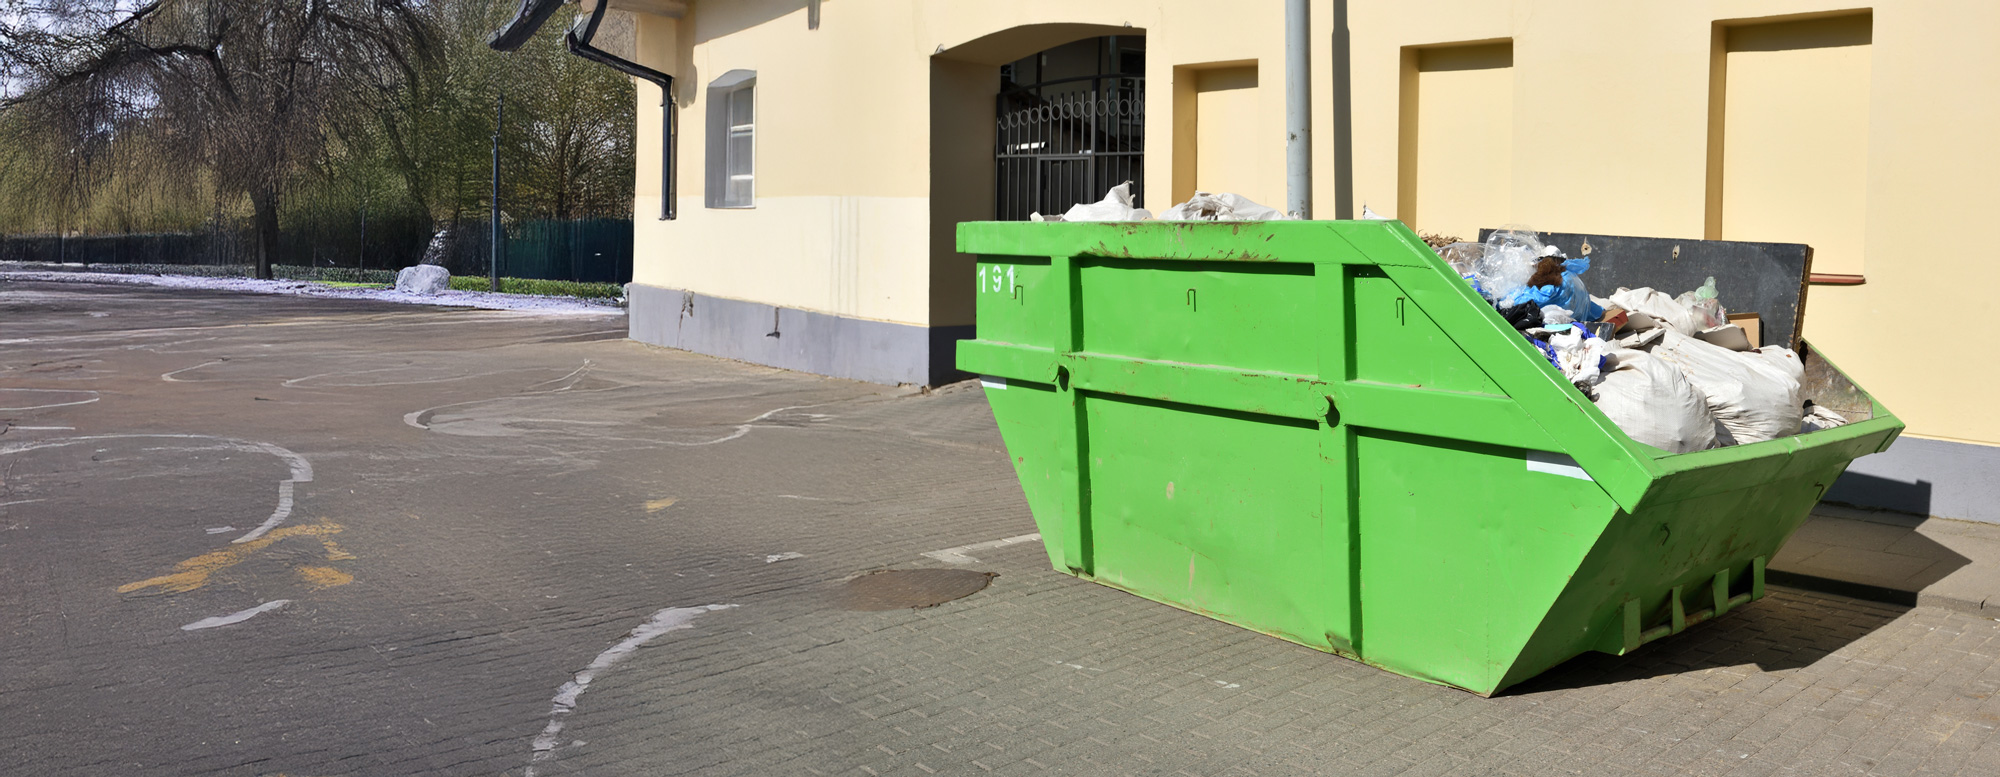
{"x": 534, "y": 13}
{"x": 1298, "y": 109}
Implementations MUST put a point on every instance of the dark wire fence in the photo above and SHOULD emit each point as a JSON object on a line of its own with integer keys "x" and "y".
{"x": 589, "y": 250}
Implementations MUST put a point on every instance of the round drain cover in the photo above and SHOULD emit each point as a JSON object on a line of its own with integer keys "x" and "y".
{"x": 908, "y": 589}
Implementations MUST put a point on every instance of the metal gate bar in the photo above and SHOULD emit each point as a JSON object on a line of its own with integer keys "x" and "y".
{"x": 1067, "y": 141}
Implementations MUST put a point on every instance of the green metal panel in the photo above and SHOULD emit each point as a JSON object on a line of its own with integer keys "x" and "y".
{"x": 1318, "y": 431}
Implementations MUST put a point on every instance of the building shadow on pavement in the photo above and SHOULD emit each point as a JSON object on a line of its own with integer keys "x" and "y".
{"x": 1865, "y": 554}
{"x": 1787, "y": 629}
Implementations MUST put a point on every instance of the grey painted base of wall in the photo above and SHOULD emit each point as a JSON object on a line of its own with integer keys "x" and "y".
{"x": 1926, "y": 477}
{"x": 858, "y": 349}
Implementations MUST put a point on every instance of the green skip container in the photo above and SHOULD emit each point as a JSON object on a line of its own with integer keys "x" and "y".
{"x": 1318, "y": 431}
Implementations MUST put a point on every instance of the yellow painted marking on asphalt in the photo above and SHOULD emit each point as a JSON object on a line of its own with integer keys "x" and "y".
{"x": 334, "y": 552}
{"x": 657, "y": 505}
{"x": 324, "y": 577}
{"x": 194, "y": 573}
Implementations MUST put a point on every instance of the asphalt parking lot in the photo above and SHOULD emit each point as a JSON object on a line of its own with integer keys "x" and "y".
{"x": 257, "y": 535}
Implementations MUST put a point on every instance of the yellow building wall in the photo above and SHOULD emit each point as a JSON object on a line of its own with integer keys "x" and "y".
{"x": 1619, "y": 118}
{"x": 1456, "y": 133}
{"x": 1794, "y": 136}
{"x": 1228, "y": 121}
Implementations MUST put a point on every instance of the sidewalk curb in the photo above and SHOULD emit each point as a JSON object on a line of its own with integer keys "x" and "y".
{"x": 1875, "y": 593}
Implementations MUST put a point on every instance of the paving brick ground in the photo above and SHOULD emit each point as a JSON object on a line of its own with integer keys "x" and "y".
{"x": 507, "y": 497}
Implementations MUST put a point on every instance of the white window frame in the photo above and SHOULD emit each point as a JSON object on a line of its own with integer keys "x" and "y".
{"x": 724, "y": 172}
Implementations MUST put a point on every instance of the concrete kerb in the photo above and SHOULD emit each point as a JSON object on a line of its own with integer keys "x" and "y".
{"x": 1963, "y": 575}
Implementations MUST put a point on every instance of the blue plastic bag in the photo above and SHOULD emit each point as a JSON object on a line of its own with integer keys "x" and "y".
{"x": 1571, "y": 295}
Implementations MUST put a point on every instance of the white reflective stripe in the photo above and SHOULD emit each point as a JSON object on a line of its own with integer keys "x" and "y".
{"x": 993, "y": 382}
{"x": 1556, "y": 464}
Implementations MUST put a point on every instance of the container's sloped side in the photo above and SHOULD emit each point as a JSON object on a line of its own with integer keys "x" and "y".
{"x": 1707, "y": 553}
{"x": 1674, "y": 565}
{"x": 1464, "y": 548}
{"x": 1028, "y": 416}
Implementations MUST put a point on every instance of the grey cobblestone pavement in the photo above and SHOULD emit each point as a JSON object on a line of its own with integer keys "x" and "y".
{"x": 498, "y": 503}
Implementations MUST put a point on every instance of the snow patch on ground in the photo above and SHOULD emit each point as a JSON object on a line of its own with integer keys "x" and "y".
{"x": 470, "y": 299}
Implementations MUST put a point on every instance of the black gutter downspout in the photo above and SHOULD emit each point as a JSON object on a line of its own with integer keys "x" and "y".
{"x": 535, "y": 12}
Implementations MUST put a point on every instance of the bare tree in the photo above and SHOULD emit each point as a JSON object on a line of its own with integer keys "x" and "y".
{"x": 240, "y": 93}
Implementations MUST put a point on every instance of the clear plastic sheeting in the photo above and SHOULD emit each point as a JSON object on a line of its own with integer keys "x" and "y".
{"x": 1509, "y": 261}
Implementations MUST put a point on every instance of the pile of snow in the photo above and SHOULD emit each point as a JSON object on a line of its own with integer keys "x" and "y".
{"x": 470, "y": 299}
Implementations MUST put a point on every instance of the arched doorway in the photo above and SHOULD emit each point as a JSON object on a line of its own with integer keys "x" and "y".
{"x": 1097, "y": 71}
{"x": 1069, "y": 125}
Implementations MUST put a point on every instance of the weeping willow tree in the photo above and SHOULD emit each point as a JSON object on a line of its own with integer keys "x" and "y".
{"x": 173, "y": 96}
{"x": 308, "y": 116}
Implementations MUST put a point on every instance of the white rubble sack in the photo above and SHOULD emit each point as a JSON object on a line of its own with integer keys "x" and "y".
{"x": 1729, "y": 336}
{"x": 1650, "y": 400}
{"x": 1226, "y": 206}
{"x": 1116, "y": 206}
{"x": 1754, "y": 395}
{"x": 1656, "y": 306}
{"x": 425, "y": 279}
{"x": 1818, "y": 418}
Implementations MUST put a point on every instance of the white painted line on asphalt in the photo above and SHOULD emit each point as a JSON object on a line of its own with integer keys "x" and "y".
{"x": 745, "y": 428}
{"x": 44, "y": 428}
{"x": 169, "y": 376}
{"x": 959, "y": 555}
{"x": 301, "y": 470}
{"x": 93, "y": 398}
{"x": 785, "y": 556}
{"x": 221, "y": 529}
{"x": 667, "y": 620}
{"x": 421, "y": 418}
{"x": 236, "y": 617}
{"x": 21, "y": 502}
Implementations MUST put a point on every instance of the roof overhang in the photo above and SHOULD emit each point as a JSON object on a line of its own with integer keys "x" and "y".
{"x": 535, "y": 13}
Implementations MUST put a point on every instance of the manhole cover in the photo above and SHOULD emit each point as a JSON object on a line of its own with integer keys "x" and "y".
{"x": 906, "y": 589}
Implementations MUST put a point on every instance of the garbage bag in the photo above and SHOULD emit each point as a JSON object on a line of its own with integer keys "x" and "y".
{"x": 1703, "y": 306}
{"x": 1576, "y": 297}
{"x": 1226, "y": 206}
{"x": 1581, "y": 357}
{"x": 1657, "y": 307}
{"x": 1522, "y": 317}
{"x": 1654, "y": 404}
{"x": 1818, "y": 418}
{"x": 1511, "y": 257}
{"x": 1754, "y": 395}
{"x": 1116, "y": 206}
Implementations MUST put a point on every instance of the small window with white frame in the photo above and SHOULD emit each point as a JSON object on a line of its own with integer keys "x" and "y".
{"x": 732, "y": 140}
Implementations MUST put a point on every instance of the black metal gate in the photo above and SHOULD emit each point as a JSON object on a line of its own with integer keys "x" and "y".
{"x": 1068, "y": 141}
